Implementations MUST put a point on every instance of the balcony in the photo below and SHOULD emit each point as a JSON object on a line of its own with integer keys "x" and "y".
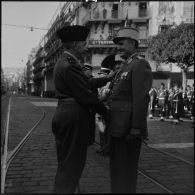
{"x": 95, "y": 16}
{"x": 114, "y": 17}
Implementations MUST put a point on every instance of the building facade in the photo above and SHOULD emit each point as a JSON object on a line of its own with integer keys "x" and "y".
{"x": 164, "y": 14}
{"x": 104, "y": 19}
{"x": 29, "y": 72}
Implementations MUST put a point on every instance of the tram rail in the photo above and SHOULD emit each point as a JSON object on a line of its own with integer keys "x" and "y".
{"x": 172, "y": 155}
{"x": 165, "y": 188}
{"x": 9, "y": 158}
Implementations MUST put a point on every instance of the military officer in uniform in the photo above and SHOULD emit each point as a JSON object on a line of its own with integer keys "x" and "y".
{"x": 192, "y": 104}
{"x": 153, "y": 96}
{"x": 71, "y": 121}
{"x": 162, "y": 100}
{"x": 170, "y": 103}
{"x": 187, "y": 98}
{"x": 128, "y": 103}
{"x": 177, "y": 104}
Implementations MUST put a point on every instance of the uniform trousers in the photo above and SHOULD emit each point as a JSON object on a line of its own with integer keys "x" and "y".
{"x": 163, "y": 108}
{"x": 124, "y": 157}
{"x": 70, "y": 126}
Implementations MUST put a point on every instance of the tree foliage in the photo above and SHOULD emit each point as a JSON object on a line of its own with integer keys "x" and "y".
{"x": 174, "y": 45}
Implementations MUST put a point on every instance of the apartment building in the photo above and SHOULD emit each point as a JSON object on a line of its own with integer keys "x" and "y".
{"x": 29, "y": 72}
{"x": 104, "y": 19}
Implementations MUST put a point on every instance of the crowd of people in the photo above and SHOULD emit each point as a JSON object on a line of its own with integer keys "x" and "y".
{"x": 174, "y": 103}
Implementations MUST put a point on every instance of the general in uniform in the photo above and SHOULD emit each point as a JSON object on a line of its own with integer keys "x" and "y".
{"x": 71, "y": 121}
{"x": 128, "y": 104}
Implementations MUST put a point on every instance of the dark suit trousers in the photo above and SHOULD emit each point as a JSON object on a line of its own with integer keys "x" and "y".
{"x": 124, "y": 157}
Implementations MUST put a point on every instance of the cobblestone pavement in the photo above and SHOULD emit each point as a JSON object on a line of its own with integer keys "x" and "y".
{"x": 34, "y": 167}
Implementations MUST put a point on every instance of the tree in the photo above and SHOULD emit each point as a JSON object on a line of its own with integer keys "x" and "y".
{"x": 175, "y": 45}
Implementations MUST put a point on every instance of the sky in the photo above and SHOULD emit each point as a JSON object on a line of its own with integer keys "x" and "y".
{"x": 17, "y": 42}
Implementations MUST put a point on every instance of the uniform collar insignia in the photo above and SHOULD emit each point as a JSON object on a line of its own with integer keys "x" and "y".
{"x": 74, "y": 58}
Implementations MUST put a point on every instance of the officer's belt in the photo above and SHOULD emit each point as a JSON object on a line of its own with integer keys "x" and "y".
{"x": 64, "y": 97}
{"x": 66, "y": 100}
{"x": 161, "y": 98}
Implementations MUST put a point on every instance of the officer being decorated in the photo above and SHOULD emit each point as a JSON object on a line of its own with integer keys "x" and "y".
{"x": 128, "y": 103}
{"x": 71, "y": 121}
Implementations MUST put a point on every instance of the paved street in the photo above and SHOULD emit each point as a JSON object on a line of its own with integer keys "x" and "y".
{"x": 34, "y": 167}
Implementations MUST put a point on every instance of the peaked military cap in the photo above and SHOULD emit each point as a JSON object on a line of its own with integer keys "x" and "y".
{"x": 73, "y": 33}
{"x": 126, "y": 33}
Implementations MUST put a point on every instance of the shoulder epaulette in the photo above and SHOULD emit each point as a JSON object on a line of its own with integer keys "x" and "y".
{"x": 71, "y": 60}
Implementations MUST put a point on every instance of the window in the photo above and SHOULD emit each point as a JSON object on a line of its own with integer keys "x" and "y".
{"x": 115, "y": 7}
{"x": 142, "y": 9}
{"x": 142, "y": 6}
{"x": 115, "y": 11}
{"x": 104, "y": 13}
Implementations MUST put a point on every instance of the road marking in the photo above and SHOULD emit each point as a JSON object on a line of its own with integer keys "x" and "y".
{"x": 50, "y": 104}
{"x": 172, "y": 145}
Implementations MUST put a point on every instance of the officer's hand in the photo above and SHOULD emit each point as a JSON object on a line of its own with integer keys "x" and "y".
{"x": 111, "y": 75}
{"x": 133, "y": 135}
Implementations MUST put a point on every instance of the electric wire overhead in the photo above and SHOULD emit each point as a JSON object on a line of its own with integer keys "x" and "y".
{"x": 24, "y": 26}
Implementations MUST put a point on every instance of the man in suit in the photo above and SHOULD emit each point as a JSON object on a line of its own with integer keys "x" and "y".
{"x": 128, "y": 104}
{"x": 71, "y": 121}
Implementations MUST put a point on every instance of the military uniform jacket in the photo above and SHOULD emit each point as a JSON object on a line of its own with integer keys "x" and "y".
{"x": 70, "y": 81}
{"x": 129, "y": 97}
